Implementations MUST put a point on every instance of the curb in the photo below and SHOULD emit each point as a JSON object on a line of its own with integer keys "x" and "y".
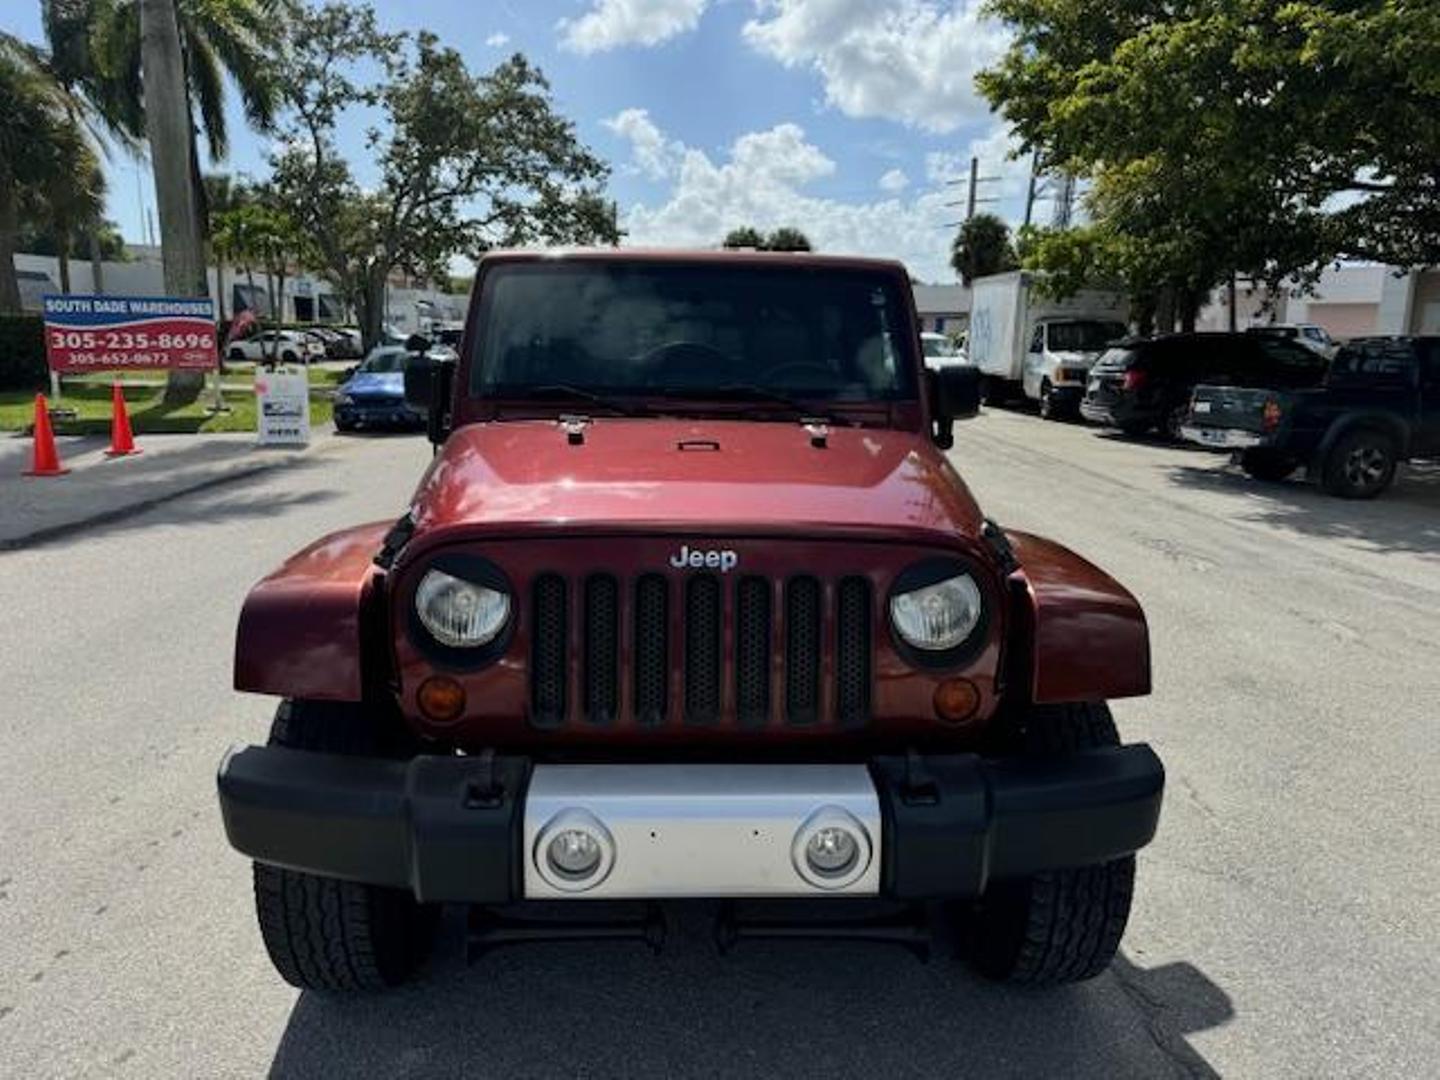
{"x": 51, "y": 533}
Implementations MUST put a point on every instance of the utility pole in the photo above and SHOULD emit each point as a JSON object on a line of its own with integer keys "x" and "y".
{"x": 972, "y": 197}
{"x": 974, "y": 178}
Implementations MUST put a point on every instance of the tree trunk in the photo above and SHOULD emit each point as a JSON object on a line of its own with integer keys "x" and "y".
{"x": 370, "y": 308}
{"x": 1189, "y": 303}
{"x": 97, "y": 262}
{"x": 220, "y": 288}
{"x": 1234, "y": 316}
{"x": 170, "y": 133}
{"x": 62, "y": 254}
{"x": 9, "y": 227}
{"x": 1165, "y": 311}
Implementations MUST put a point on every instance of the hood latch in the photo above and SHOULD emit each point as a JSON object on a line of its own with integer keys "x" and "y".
{"x": 574, "y": 428}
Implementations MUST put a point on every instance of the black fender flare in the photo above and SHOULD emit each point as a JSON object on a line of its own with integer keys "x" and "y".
{"x": 1393, "y": 426}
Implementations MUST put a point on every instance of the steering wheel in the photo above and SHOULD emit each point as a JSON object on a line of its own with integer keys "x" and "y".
{"x": 682, "y": 358}
{"x": 802, "y": 373}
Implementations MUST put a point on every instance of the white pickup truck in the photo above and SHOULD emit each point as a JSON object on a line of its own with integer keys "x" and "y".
{"x": 1025, "y": 343}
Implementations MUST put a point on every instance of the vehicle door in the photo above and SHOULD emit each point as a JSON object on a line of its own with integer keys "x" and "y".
{"x": 1033, "y": 370}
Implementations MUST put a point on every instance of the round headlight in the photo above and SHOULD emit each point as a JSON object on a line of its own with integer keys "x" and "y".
{"x": 937, "y": 617}
{"x": 460, "y": 613}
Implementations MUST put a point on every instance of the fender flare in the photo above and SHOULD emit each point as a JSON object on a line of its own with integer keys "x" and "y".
{"x": 303, "y": 628}
{"x": 1085, "y": 635}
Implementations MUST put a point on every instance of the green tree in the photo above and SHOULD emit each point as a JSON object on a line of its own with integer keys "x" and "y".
{"x": 787, "y": 238}
{"x": 1232, "y": 135}
{"x": 222, "y": 194}
{"x": 982, "y": 247}
{"x": 746, "y": 236}
{"x": 464, "y": 162}
{"x": 68, "y": 195}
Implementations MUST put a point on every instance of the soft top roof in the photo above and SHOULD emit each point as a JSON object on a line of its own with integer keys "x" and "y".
{"x": 806, "y": 259}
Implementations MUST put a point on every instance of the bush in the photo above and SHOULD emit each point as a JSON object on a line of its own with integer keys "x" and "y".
{"x": 22, "y": 353}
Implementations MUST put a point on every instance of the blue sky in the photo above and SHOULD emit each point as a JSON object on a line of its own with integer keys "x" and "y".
{"x": 842, "y": 117}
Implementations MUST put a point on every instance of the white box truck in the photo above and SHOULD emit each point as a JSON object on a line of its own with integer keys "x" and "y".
{"x": 1024, "y": 343}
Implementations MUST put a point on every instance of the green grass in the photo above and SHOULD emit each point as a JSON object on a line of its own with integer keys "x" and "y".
{"x": 150, "y": 414}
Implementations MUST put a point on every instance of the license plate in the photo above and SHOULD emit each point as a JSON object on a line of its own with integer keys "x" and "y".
{"x": 1223, "y": 437}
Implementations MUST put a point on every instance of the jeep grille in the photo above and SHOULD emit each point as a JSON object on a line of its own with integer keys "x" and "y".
{"x": 614, "y": 623}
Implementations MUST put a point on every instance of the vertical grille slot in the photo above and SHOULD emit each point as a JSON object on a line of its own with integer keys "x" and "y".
{"x": 602, "y": 649}
{"x": 752, "y": 652}
{"x": 802, "y": 650}
{"x": 652, "y": 652}
{"x": 852, "y": 652}
{"x": 702, "y": 649}
{"x": 548, "y": 651}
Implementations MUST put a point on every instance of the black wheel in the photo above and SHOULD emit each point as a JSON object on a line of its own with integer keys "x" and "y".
{"x": 993, "y": 391}
{"x": 1174, "y": 417}
{"x": 1135, "y": 428}
{"x": 324, "y": 934}
{"x": 237, "y": 354}
{"x": 344, "y": 425}
{"x": 1267, "y": 465}
{"x": 289, "y": 357}
{"x": 1048, "y": 410}
{"x": 1063, "y": 925}
{"x": 1360, "y": 465}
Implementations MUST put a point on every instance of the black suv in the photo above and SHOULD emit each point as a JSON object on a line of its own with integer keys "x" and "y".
{"x": 1146, "y": 383}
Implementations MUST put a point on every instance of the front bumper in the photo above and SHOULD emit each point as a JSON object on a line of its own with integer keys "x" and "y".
{"x": 465, "y": 829}
{"x": 378, "y": 415}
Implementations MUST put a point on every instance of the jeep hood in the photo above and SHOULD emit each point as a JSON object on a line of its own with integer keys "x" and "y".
{"x": 691, "y": 475}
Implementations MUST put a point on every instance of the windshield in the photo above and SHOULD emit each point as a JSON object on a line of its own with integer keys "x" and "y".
{"x": 936, "y": 345}
{"x": 387, "y": 360}
{"x": 1082, "y": 336}
{"x": 687, "y": 331}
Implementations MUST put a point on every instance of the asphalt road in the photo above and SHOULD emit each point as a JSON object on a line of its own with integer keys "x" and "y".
{"x": 1285, "y": 921}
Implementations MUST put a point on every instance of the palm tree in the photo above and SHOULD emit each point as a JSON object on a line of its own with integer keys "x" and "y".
{"x": 68, "y": 195}
{"x": 35, "y": 112}
{"x": 222, "y": 194}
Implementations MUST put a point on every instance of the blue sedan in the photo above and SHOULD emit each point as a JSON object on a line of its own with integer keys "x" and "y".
{"x": 374, "y": 396}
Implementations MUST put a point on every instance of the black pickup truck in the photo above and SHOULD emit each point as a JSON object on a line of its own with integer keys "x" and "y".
{"x": 1378, "y": 405}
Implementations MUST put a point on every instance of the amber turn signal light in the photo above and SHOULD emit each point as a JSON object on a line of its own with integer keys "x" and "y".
{"x": 441, "y": 698}
{"x": 956, "y": 700}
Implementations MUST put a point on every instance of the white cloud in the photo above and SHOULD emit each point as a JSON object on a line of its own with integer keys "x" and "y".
{"x": 894, "y": 180}
{"x": 652, "y": 154}
{"x": 609, "y": 24}
{"x": 762, "y": 182}
{"x": 907, "y": 60}
{"x": 498, "y": 40}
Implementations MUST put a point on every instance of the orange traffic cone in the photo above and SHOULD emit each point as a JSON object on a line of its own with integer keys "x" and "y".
{"x": 46, "y": 460}
{"x": 122, "y": 442}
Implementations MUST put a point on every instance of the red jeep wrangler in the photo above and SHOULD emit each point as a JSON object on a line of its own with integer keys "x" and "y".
{"x": 689, "y": 604}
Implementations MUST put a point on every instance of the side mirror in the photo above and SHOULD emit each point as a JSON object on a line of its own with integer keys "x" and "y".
{"x": 954, "y": 395}
{"x": 428, "y": 382}
{"x": 417, "y": 343}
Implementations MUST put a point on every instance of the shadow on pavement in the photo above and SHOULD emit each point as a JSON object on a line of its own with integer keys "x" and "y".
{"x": 767, "y": 1009}
{"x": 1404, "y": 519}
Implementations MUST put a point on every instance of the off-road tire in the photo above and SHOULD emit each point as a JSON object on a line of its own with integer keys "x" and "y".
{"x": 1360, "y": 465}
{"x": 325, "y": 934}
{"x": 1267, "y": 465}
{"x": 1060, "y": 926}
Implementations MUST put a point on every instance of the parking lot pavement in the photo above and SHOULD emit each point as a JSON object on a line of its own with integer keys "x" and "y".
{"x": 1284, "y": 921}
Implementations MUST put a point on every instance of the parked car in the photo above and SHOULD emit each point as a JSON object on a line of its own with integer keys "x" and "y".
{"x": 344, "y": 344}
{"x": 288, "y": 346}
{"x": 1313, "y": 336}
{"x": 1145, "y": 383}
{"x": 689, "y": 603}
{"x": 1378, "y": 405}
{"x": 1024, "y": 342}
{"x": 939, "y": 351}
{"x": 373, "y": 396}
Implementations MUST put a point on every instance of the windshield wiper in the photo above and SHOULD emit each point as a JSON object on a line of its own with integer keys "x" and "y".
{"x": 755, "y": 392}
{"x": 578, "y": 393}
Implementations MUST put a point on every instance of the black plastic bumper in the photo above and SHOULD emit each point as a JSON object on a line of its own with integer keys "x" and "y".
{"x": 449, "y": 828}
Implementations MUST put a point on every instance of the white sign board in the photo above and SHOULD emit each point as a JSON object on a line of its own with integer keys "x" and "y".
{"x": 282, "y": 407}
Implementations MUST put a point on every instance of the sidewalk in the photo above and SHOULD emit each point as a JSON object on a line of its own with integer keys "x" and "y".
{"x": 99, "y": 489}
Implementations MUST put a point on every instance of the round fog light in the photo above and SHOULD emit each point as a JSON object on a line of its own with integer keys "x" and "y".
{"x": 832, "y": 849}
{"x": 574, "y": 852}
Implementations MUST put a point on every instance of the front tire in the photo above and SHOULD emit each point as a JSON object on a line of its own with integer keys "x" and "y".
{"x": 1048, "y": 409}
{"x": 326, "y": 934}
{"x": 1060, "y": 926}
{"x": 1360, "y": 465}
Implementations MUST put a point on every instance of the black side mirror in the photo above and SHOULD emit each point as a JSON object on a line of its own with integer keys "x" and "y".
{"x": 428, "y": 383}
{"x": 954, "y": 395}
{"x": 417, "y": 343}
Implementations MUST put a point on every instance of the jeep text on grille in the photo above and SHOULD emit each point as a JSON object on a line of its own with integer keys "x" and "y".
{"x": 690, "y": 603}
